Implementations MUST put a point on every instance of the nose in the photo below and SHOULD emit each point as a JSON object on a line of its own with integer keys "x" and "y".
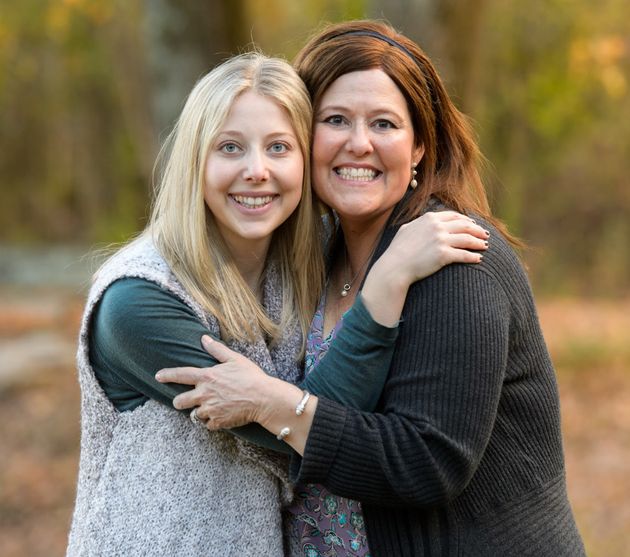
{"x": 256, "y": 169}
{"x": 359, "y": 142}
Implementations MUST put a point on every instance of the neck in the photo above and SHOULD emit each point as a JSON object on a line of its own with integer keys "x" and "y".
{"x": 250, "y": 259}
{"x": 361, "y": 239}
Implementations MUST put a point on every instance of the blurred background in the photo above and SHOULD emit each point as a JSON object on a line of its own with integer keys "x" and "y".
{"x": 89, "y": 88}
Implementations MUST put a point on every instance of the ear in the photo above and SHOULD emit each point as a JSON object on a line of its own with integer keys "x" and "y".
{"x": 417, "y": 154}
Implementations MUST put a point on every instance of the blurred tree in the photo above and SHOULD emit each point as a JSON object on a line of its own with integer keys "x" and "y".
{"x": 77, "y": 143}
{"x": 462, "y": 23}
{"x": 88, "y": 86}
{"x": 555, "y": 122}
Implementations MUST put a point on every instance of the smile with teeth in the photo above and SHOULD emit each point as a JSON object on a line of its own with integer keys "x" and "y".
{"x": 356, "y": 174}
{"x": 250, "y": 202}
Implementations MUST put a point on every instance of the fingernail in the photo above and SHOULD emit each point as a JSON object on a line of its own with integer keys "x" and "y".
{"x": 158, "y": 375}
{"x": 487, "y": 233}
{"x": 486, "y": 243}
{"x": 206, "y": 339}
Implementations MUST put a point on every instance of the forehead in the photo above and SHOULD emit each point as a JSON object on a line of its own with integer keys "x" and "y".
{"x": 251, "y": 109}
{"x": 367, "y": 86}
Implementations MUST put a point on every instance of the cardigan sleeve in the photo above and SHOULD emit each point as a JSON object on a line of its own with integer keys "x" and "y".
{"x": 438, "y": 405}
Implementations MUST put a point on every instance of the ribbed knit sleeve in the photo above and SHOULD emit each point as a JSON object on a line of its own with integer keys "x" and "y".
{"x": 438, "y": 406}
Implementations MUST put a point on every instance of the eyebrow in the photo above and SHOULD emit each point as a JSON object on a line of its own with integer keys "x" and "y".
{"x": 271, "y": 135}
{"x": 378, "y": 111}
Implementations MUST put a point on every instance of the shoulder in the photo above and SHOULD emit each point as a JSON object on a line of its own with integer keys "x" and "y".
{"x": 127, "y": 293}
{"x": 503, "y": 265}
{"x": 131, "y": 302}
{"x": 499, "y": 284}
{"x": 136, "y": 321}
{"x": 139, "y": 258}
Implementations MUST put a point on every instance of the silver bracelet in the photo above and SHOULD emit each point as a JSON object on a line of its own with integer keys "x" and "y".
{"x": 299, "y": 409}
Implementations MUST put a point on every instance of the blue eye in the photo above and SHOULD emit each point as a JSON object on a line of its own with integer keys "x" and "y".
{"x": 229, "y": 148}
{"x": 278, "y": 148}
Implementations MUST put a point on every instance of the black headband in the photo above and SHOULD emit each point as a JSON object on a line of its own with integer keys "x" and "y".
{"x": 377, "y": 35}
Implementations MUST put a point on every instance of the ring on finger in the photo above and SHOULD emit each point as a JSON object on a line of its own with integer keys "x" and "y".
{"x": 194, "y": 418}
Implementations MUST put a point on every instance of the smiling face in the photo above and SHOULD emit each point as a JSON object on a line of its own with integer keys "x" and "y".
{"x": 254, "y": 173}
{"x": 363, "y": 147}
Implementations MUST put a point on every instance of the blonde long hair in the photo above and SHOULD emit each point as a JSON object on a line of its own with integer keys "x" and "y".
{"x": 185, "y": 231}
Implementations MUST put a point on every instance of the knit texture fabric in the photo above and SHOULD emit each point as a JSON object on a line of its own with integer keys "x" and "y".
{"x": 463, "y": 456}
{"x": 153, "y": 483}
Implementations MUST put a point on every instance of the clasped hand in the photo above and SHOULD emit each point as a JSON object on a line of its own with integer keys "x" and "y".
{"x": 226, "y": 395}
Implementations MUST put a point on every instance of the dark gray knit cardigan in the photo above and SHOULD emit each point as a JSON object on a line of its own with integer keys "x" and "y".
{"x": 463, "y": 456}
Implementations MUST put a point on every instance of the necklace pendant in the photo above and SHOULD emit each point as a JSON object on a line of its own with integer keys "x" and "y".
{"x": 346, "y": 288}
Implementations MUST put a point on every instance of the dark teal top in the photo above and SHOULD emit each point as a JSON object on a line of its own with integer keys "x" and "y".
{"x": 139, "y": 328}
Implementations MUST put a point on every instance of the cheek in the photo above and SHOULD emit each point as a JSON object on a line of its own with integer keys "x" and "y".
{"x": 297, "y": 181}
{"x": 321, "y": 149}
{"x": 213, "y": 176}
{"x": 399, "y": 158}
{"x": 224, "y": 172}
{"x": 320, "y": 185}
{"x": 216, "y": 180}
{"x": 321, "y": 160}
{"x": 289, "y": 178}
{"x": 210, "y": 197}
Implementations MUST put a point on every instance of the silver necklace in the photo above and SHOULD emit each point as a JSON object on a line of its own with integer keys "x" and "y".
{"x": 348, "y": 285}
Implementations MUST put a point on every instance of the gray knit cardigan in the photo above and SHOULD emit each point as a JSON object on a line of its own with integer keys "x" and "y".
{"x": 153, "y": 483}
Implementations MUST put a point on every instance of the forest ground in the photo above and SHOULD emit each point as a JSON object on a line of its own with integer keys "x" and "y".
{"x": 39, "y": 416}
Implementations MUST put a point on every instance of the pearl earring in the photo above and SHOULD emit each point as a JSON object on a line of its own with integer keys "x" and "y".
{"x": 414, "y": 182}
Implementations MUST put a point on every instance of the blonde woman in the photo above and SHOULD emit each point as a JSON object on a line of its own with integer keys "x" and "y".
{"x": 233, "y": 250}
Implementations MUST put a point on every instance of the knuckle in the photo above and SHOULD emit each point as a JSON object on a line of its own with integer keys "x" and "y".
{"x": 443, "y": 253}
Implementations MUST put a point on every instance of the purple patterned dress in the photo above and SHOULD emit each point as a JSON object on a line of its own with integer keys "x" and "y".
{"x": 321, "y": 523}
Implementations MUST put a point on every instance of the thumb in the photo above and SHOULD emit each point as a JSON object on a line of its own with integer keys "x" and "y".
{"x": 217, "y": 350}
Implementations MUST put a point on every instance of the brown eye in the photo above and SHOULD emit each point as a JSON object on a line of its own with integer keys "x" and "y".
{"x": 335, "y": 120}
{"x": 383, "y": 124}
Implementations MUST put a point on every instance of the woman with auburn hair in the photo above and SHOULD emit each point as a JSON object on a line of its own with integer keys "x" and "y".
{"x": 233, "y": 250}
{"x": 463, "y": 454}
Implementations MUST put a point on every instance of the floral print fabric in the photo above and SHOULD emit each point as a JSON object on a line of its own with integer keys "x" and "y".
{"x": 322, "y": 524}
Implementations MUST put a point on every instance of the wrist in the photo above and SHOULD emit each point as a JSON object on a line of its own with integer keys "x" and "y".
{"x": 276, "y": 397}
{"x": 263, "y": 400}
{"x": 391, "y": 273}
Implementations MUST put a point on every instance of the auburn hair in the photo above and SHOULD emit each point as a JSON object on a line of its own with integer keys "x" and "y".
{"x": 450, "y": 168}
